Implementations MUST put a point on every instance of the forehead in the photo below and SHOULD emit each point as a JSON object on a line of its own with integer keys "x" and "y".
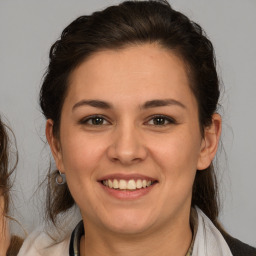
{"x": 138, "y": 71}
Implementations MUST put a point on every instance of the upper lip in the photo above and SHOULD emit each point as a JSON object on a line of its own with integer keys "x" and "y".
{"x": 121, "y": 176}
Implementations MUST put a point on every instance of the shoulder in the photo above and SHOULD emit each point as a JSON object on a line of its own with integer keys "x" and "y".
{"x": 217, "y": 240}
{"x": 239, "y": 248}
{"x": 39, "y": 243}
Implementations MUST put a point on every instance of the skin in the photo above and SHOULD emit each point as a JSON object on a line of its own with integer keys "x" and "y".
{"x": 129, "y": 142}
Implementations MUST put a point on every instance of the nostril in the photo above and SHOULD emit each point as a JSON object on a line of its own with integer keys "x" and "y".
{"x": 126, "y": 149}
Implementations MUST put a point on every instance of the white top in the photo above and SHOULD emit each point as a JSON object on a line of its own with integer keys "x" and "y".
{"x": 39, "y": 243}
{"x": 208, "y": 242}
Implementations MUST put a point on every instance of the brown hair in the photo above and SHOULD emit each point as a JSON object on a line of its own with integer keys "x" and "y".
{"x": 131, "y": 23}
{"x": 5, "y": 183}
{"x": 5, "y": 173}
{"x": 15, "y": 245}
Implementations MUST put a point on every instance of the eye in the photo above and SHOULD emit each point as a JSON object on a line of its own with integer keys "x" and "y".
{"x": 161, "y": 120}
{"x": 94, "y": 121}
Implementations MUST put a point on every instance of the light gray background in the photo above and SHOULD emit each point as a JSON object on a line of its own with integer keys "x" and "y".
{"x": 29, "y": 27}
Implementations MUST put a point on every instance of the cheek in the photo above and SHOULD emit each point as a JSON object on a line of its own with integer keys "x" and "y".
{"x": 81, "y": 154}
{"x": 180, "y": 149}
{"x": 81, "y": 161}
{"x": 177, "y": 156}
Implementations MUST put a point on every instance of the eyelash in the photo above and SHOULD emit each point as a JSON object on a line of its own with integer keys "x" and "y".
{"x": 90, "y": 119}
{"x": 170, "y": 120}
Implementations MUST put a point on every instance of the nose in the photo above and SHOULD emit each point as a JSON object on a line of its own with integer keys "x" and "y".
{"x": 127, "y": 146}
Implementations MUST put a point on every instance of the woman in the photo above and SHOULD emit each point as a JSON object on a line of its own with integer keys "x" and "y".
{"x": 130, "y": 98}
{"x": 9, "y": 245}
{"x": 4, "y": 195}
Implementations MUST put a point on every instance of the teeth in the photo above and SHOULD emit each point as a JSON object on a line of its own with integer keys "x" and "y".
{"x": 110, "y": 183}
{"x": 139, "y": 184}
{"x": 127, "y": 184}
{"x": 122, "y": 184}
{"x": 115, "y": 184}
{"x": 131, "y": 184}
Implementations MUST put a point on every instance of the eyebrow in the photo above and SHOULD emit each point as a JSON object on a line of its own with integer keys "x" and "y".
{"x": 162, "y": 103}
{"x": 148, "y": 104}
{"x": 93, "y": 103}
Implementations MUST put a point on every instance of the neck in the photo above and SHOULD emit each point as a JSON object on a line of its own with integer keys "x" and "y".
{"x": 169, "y": 240}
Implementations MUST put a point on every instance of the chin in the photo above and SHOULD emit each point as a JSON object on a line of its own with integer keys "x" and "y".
{"x": 129, "y": 223}
{"x": 128, "y": 228}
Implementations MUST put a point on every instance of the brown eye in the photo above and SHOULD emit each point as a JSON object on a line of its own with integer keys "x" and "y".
{"x": 94, "y": 121}
{"x": 97, "y": 121}
{"x": 161, "y": 120}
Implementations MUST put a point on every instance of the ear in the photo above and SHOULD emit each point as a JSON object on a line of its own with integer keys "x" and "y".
{"x": 54, "y": 144}
{"x": 210, "y": 143}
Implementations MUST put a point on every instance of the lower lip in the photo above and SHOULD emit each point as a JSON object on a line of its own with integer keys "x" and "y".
{"x": 128, "y": 194}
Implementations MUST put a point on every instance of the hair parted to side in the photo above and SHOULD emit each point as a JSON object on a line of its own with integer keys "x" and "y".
{"x": 5, "y": 182}
{"x": 116, "y": 27}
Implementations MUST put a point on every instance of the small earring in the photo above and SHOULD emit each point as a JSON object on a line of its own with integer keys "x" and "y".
{"x": 60, "y": 178}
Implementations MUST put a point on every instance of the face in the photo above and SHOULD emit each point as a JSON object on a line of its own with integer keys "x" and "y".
{"x": 130, "y": 141}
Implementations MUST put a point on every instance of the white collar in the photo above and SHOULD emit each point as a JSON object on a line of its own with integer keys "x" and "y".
{"x": 208, "y": 240}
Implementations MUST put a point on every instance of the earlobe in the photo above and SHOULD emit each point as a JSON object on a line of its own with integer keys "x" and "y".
{"x": 210, "y": 143}
{"x": 54, "y": 145}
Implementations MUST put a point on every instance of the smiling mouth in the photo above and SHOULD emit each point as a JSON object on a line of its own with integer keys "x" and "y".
{"x": 128, "y": 184}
